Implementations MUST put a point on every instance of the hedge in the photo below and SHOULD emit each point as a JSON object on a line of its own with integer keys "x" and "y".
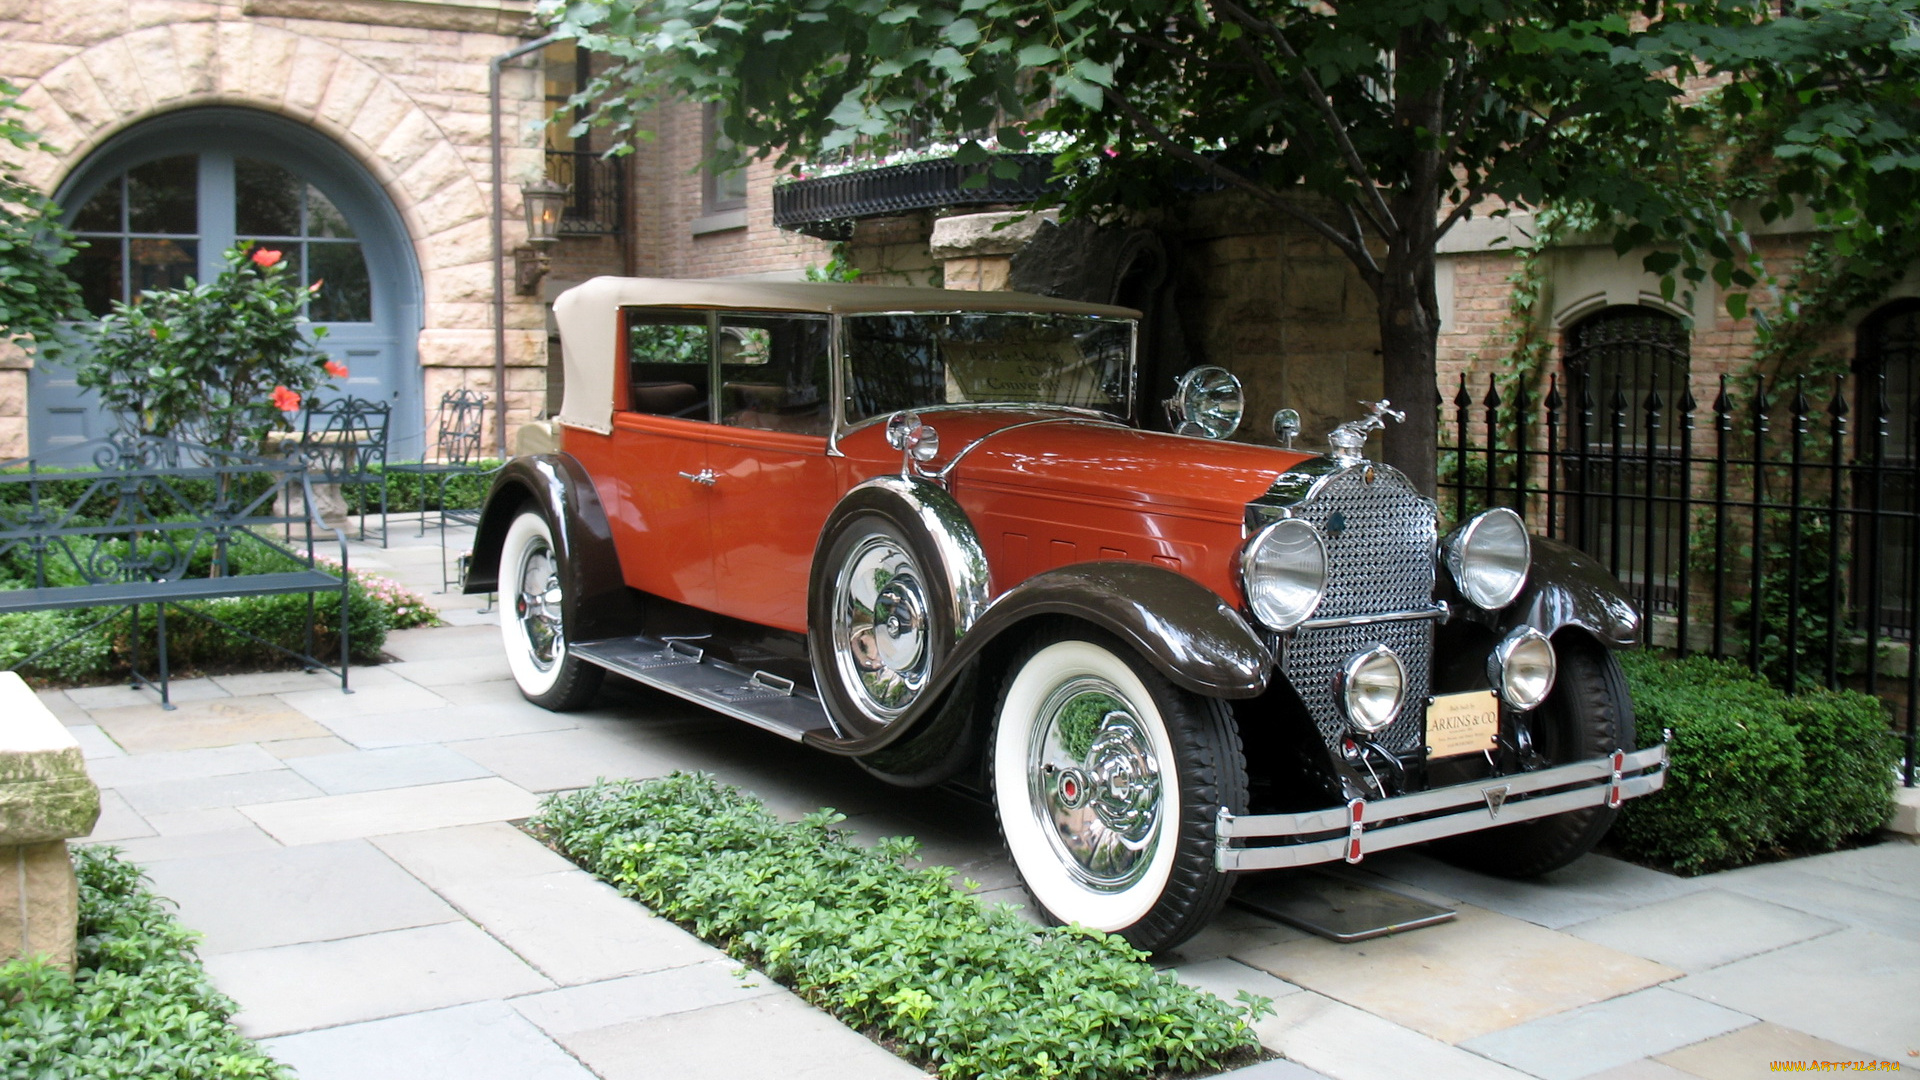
{"x": 1755, "y": 772}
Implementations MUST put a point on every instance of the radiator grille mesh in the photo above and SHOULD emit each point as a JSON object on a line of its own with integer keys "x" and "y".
{"x": 1381, "y": 543}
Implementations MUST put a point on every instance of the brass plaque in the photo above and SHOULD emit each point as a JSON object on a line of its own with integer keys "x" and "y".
{"x": 1462, "y": 723}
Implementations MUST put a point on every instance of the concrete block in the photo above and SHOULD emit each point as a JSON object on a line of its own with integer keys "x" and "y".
{"x": 39, "y": 901}
{"x": 1906, "y": 812}
{"x": 45, "y": 792}
{"x": 996, "y": 233}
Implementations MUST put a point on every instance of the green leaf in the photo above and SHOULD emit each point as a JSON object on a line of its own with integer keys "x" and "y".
{"x": 1036, "y": 55}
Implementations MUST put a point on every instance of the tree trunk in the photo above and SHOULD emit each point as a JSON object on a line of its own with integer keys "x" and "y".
{"x": 1410, "y": 375}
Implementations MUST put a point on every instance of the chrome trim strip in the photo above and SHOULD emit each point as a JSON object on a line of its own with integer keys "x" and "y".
{"x": 940, "y": 475}
{"x": 1602, "y": 782}
{"x": 1437, "y": 611}
{"x": 962, "y": 559}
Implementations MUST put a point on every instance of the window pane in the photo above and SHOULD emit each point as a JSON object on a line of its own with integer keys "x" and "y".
{"x": 162, "y": 264}
{"x": 266, "y": 199}
{"x": 667, "y": 364}
{"x": 163, "y": 196}
{"x": 96, "y": 268}
{"x": 345, "y": 295}
{"x": 324, "y": 218}
{"x": 102, "y": 212}
{"x": 774, "y": 372}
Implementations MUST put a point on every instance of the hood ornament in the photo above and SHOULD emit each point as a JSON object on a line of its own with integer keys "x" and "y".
{"x": 1348, "y": 440}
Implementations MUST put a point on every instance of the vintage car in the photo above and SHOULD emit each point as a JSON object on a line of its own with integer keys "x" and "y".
{"x": 927, "y": 530}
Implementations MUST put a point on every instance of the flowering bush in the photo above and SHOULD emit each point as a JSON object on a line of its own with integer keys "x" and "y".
{"x": 222, "y": 362}
{"x": 405, "y": 608}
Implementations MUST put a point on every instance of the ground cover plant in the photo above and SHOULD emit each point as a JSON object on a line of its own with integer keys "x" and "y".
{"x": 138, "y": 1005}
{"x": 961, "y": 988}
{"x": 1755, "y": 773}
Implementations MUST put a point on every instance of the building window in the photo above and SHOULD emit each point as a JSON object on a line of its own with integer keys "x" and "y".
{"x": 722, "y": 190}
{"x": 1887, "y": 360}
{"x": 1625, "y": 474}
{"x": 144, "y": 227}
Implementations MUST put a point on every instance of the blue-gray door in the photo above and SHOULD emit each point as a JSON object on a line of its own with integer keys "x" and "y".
{"x": 163, "y": 200}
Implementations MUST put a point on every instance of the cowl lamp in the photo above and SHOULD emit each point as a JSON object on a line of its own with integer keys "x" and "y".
{"x": 544, "y": 201}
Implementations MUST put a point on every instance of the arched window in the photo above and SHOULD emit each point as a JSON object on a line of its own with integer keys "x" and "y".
{"x": 1887, "y": 360}
{"x": 1888, "y": 346}
{"x": 1627, "y": 368}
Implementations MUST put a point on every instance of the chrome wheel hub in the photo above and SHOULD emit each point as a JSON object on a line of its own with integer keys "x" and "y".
{"x": 537, "y": 605}
{"x": 881, "y": 632}
{"x": 1096, "y": 784}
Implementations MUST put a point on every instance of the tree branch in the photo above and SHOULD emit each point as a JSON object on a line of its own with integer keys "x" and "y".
{"x": 1375, "y": 203}
{"x": 1534, "y": 144}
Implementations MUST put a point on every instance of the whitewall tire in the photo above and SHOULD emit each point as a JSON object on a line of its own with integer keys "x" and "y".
{"x": 1107, "y": 781}
{"x": 532, "y": 625}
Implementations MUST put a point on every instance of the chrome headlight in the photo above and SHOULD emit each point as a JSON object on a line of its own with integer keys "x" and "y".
{"x": 1522, "y": 667}
{"x": 1489, "y": 557}
{"x": 1207, "y": 403}
{"x": 1372, "y": 688}
{"x": 1284, "y": 569}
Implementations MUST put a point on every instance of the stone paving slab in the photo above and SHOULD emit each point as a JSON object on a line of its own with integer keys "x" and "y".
{"x": 1785, "y": 884}
{"x": 485, "y": 1041}
{"x": 205, "y": 793}
{"x": 1855, "y": 988}
{"x": 226, "y": 721}
{"x": 1477, "y": 974}
{"x": 773, "y": 1035}
{"x": 443, "y": 643}
{"x": 1277, "y": 1069}
{"x": 1885, "y": 868}
{"x": 455, "y": 670}
{"x": 192, "y": 822}
{"x": 95, "y": 743}
{"x": 291, "y": 682}
{"x": 288, "y": 749}
{"x": 182, "y": 765}
{"x": 289, "y": 895}
{"x": 1233, "y": 931}
{"x": 1646, "y": 1069}
{"x": 1703, "y": 930}
{"x": 153, "y": 849}
{"x": 1748, "y": 1051}
{"x": 1226, "y": 979}
{"x": 574, "y": 928}
{"x": 576, "y": 1009}
{"x": 324, "y": 983}
{"x": 453, "y": 723}
{"x": 324, "y": 705}
{"x": 179, "y": 691}
{"x": 1590, "y": 888}
{"x": 449, "y": 857}
{"x": 117, "y": 822}
{"x": 375, "y": 813}
{"x": 1346, "y": 1043}
{"x": 1584, "y": 1041}
{"x": 571, "y": 758}
{"x": 62, "y": 707}
{"x": 375, "y": 770}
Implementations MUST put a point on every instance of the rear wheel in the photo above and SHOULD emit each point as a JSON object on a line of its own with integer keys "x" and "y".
{"x": 1108, "y": 780}
{"x": 532, "y": 623}
{"x": 1587, "y": 715}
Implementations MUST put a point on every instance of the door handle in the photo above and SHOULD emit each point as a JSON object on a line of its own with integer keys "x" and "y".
{"x": 704, "y": 477}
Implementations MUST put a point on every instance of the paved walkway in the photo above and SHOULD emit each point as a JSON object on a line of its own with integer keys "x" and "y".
{"x": 363, "y": 897}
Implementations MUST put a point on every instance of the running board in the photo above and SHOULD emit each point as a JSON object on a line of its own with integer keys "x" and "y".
{"x": 682, "y": 668}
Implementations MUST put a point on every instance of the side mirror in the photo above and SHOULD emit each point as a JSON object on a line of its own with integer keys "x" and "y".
{"x": 1286, "y": 426}
{"x": 1207, "y": 403}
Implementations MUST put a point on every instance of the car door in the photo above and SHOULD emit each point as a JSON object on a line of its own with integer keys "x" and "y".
{"x": 774, "y": 483}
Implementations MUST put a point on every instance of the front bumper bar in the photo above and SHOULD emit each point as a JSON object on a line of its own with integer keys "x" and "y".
{"x": 1361, "y": 828}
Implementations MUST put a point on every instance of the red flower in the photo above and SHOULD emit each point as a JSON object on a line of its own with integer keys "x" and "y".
{"x": 284, "y": 399}
{"x": 336, "y": 369}
{"x": 264, "y": 258}
{"x": 315, "y": 287}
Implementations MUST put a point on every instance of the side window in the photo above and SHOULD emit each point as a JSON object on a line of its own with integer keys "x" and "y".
{"x": 667, "y": 355}
{"x": 774, "y": 372}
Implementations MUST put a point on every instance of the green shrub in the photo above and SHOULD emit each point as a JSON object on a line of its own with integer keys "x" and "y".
{"x": 138, "y": 1006}
{"x": 1753, "y": 771}
{"x": 404, "y": 489}
{"x": 970, "y": 991}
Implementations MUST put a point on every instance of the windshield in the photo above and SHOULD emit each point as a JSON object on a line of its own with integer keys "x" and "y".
{"x": 918, "y": 361}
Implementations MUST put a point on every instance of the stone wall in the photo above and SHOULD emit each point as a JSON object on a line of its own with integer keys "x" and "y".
{"x": 402, "y": 86}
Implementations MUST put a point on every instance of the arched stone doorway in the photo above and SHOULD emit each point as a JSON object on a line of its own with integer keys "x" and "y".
{"x": 163, "y": 199}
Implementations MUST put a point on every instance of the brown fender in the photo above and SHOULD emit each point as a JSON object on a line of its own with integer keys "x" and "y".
{"x": 597, "y": 602}
{"x": 1568, "y": 587}
{"x": 1189, "y": 634}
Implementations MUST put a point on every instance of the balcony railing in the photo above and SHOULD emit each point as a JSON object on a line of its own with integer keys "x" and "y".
{"x": 827, "y": 206}
{"x": 597, "y": 191}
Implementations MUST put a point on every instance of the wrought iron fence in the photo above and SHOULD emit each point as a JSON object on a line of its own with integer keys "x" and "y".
{"x": 1779, "y": 526}
{"x": 596, "y": 195}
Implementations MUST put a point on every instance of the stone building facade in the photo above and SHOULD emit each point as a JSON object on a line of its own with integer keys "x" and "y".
{"x": 381, "y": 107}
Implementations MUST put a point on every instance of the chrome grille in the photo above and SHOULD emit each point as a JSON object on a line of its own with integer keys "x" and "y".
{"x": 1380, "y": 558}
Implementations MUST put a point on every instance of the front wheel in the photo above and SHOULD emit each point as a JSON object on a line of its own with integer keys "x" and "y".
{"x": 1108, "y": 780}
{"x": 531, "y": 620}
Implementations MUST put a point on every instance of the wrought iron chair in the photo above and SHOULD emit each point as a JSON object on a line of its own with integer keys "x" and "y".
{"x": 344, "y": 442}
{"x": 456, "y": 449}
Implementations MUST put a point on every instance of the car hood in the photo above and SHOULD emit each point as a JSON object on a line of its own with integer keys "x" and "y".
{"x": 1107, "y": 463}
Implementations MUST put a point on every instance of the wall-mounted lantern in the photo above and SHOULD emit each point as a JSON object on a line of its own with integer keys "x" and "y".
{"x": 544, "y": 200}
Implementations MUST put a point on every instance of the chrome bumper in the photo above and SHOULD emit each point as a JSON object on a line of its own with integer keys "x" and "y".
{"x": 1362, "y": 828}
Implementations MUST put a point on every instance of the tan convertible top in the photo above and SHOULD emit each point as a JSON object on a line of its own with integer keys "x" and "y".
{"x": 588, "y": 315}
